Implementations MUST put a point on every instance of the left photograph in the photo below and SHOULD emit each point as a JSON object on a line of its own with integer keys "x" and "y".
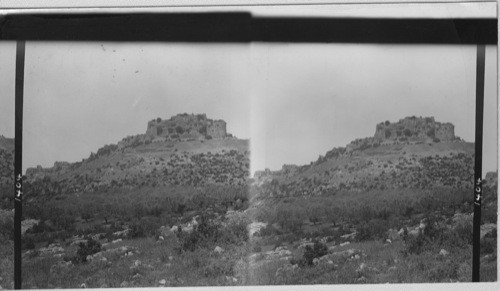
{"x": 136, "y": 161}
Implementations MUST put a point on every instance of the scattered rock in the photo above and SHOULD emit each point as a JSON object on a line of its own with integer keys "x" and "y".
{"x": 414, "y": 232}
{"x": 349, "y": 236}
{"x": 98, "y": 236}
{"x": 331, "y": 248}
{"x": 393, "y": 234}
{"x": 122, "y": 233}
{"x": 255, "y": 227}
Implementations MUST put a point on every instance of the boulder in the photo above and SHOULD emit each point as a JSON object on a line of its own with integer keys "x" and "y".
{"x": 393, "y": 234}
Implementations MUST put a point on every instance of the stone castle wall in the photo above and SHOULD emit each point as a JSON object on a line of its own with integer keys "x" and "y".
{"x": 415, "y": 129}
{"x": 187, "y": 127}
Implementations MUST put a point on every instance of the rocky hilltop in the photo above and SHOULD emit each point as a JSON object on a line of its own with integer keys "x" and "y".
{"x": 187, "y": 127}
{"x": 414, "y": 152}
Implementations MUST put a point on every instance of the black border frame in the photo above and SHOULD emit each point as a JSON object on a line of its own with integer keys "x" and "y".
{"x": 244, "y": 27}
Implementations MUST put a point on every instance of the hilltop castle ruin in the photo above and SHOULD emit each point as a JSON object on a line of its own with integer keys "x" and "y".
{"x": 187, "y": 127}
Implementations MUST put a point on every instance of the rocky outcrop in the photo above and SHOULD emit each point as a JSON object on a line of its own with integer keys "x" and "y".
{"x": 187, "y": 127}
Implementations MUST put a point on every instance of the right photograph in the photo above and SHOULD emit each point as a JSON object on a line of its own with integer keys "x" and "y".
{"x": 362, "y": 163}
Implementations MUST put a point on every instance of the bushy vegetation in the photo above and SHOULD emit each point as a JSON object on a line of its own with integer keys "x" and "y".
{"x": 86, "y": 249}
{"x": 316, "y": 251}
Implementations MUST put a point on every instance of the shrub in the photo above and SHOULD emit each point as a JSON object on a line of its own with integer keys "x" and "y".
{"x": 28, "y": 242}
{"x": 431, "y": 132}
{"x": 374, "y": 229}
{"x": 145, "y": 227}
{"x": 414, "y": 244}
{"x": 489, "y": 243}
{"x": 236, "y": 230}
{"x": 7, "y": 227}
{"x": 86, "y": 249}
{"x": 204, "y": 234}
{"x": 316, "y": 251}
{"x": 179, "y": 129}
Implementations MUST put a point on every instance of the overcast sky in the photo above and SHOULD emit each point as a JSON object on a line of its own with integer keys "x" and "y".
{"x": 294, "y": 101}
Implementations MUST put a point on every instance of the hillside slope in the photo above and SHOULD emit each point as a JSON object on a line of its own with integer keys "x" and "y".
{"x": 6, "y": 171}
{"x": 407, "y": 155}
{"x": 146, "y": 160}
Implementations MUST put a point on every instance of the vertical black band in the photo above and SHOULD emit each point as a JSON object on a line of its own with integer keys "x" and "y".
{"x": 18, "y": 161}
{"x": 478, "y": 162}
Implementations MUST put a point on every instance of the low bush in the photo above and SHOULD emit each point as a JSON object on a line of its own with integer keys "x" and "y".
{"x": 374, "y": 229}
{"x": 489, "y": 243}
{"x": 316, "y": 251}
{"x": 86, "y": 249}
{"x": 145, "y": 227}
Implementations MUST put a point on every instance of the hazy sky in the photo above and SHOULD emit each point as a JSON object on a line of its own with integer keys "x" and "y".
{"x": 294, "y": 101}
